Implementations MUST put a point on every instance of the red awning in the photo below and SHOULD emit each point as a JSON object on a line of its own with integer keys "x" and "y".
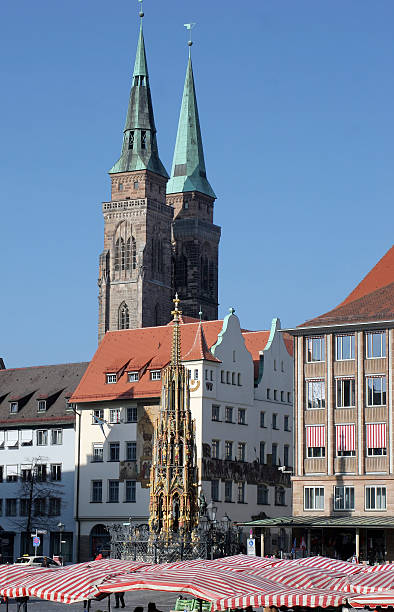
{"x": 376, "y": 435}
{"x": 315, "y": 436}
{"x": 346, "y": 437}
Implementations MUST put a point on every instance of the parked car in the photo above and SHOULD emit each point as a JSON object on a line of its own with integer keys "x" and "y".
{"x": 37, "y": 561}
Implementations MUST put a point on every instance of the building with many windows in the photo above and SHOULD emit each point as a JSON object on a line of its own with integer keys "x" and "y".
{"x": 240, "y": 397}
{"x": 344, "y": 449}
{"x": 37, "y": 459}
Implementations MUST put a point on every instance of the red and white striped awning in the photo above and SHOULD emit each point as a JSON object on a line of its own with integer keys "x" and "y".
{"x": 224, "y": 588}
{"x": 68, "y": 584}
{"x": 376, "y": 435}
{"x": 315, "y": 436}
{"x": 346, "y": 437}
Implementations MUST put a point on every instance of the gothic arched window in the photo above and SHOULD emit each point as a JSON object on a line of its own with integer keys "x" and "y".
{"x": 124, "y": 318}
{"x": 120, "y": 261}
{"x": 131, "y": 254}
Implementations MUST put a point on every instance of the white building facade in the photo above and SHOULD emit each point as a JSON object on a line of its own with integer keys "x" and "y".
{"x": 37, "y": 439}
{"x": 241, "y": 400}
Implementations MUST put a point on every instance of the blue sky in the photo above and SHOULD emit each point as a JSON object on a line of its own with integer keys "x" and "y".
{"x": 296, "y": 108}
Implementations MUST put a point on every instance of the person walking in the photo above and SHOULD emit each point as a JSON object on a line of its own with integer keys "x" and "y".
{"x": 119, "y": 599}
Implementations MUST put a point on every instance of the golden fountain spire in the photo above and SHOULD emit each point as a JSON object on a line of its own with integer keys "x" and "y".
{"x": 176, "y": 336}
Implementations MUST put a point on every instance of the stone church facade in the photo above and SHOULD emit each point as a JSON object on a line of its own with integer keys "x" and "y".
{"x": 159, "y": 235}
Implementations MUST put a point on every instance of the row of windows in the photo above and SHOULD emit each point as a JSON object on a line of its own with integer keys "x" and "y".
{"x": 229, "y": 414}
{"x": 230, "y": 378}
{"x": 41, "y": 506}
{"x": 275, "y": 421}
{"x": 375, "y": 346}
{"x": 375, "y": 498}
{"x": 113, "y": 491}
{"x": 41, "y": 472}
{"x": 112, "y": 378}
{"x": 284, "y": 396}
{"x": 345, "y": 392}
{"x": 130, "y": 451}
{"x": 231, "y": 492}
{"x": 345, "y": 440}
{"x": 115, "y": 415}
{"x": 12, "y": 438}
{"x": 238, "y": 451}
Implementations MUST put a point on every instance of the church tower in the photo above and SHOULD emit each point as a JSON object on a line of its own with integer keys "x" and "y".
{"x": 135, "y": 266}
{"x": 173, "y": 477}
{"x": 195, "y": 237}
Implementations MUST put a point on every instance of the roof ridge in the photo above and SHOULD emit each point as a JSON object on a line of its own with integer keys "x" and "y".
{"x": 49, "y": 365}
{"x": 374, "y": 279}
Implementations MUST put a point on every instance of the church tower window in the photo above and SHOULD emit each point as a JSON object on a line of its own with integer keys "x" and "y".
{"x": 131, "y": 139}
{"x": 120, "y": 260}
{"x": 143, "y": 139}
{"x": 124, "y": 319}
{"x": 131, "y": 254}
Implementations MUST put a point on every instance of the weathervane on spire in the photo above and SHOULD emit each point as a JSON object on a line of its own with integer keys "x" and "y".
{"x": 189, "y": 26}
{"x": 141, "y": 8}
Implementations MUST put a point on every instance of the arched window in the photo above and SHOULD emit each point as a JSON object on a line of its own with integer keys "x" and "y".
{"x": 120, "y": 261}
{"x": 100, "y": 541}
{"x": 131, "y": 254}
{"x": 123, "y": 322}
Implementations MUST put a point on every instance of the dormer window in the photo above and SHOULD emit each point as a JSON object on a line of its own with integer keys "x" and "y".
{"x": 155, "y": 375}
{"x": 41, "y": 405}
{"x": 14, "y": 407}
{"x": 143, "y": 139}
{"x": 111, "y": 379}
{"x": 131, "y": 139}
{"x": 133, "y": 376}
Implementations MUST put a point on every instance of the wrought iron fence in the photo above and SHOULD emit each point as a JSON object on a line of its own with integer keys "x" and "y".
{"x": 136, "y": 543}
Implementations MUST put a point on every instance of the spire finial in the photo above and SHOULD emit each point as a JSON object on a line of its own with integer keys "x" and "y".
{"x": 200, "y": 313}
{"x": 176, "y": 337}
{"x": 141, "y": 9}
{"x": 189, "y": 26}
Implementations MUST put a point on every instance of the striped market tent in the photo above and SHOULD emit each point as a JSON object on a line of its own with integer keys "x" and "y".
{"x": 224, "y": 588}
{"x": 68, "y": 584}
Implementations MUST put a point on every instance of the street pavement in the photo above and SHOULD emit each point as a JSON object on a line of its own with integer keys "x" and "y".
{"x": 163, "y": 601}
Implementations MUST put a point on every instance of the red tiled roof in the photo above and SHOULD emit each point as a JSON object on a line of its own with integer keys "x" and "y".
{"x": 376, "y": 306}
{"x": 199, "y": 349}
{"x": 380, "y": 276}
{"x": 371, "y": 300}
{"x": 147, "y": 346}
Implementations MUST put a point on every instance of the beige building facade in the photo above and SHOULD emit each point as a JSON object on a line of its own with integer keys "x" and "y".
{"x": 344, "y": 446}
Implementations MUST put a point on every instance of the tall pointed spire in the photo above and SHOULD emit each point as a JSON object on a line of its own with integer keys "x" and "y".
{"x": 139, "y": 150}
{"x": 188, "y": 167}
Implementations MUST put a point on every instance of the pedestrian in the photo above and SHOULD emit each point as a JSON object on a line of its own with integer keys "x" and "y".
{"x": 119, "y": 599}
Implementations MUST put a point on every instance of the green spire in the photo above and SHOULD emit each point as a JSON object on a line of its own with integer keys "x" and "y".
{"x": 139, "y": 150}
{"x": 188, "y": 166}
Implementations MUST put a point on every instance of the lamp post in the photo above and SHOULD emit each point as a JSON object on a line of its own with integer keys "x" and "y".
{"x": 60, "y": 526}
